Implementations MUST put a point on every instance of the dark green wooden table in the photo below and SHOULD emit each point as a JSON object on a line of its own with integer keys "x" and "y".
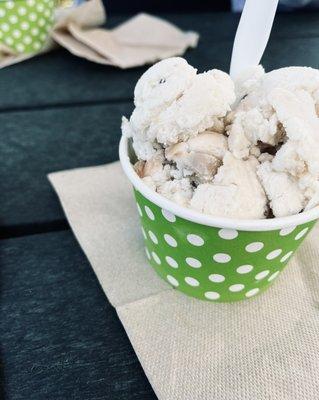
{"x": 60, "y": 338}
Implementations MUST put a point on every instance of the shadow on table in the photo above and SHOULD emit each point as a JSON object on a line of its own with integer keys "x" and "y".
{"x": 2, "y": 381}
{"x": 1, "y": 376}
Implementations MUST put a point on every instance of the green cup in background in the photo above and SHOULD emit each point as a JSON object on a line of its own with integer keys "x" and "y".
{"x": 216, "y": 259}
{"x": 25, "y": 24}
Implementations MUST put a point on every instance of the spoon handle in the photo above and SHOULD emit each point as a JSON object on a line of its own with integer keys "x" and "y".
{"x": 252, "y": 34}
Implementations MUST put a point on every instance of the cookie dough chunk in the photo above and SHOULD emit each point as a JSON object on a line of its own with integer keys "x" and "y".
{"x": 235, "y": 192}
{"x": 155, "y": 171}
{"x": 199, "y": 156}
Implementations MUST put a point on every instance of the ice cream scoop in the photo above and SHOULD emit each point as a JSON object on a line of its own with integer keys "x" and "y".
{"x": 257, "y": 159}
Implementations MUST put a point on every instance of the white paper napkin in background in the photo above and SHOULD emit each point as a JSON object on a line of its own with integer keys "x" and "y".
{"x": 140, "y": 40}
{"x": 265, "y": 348}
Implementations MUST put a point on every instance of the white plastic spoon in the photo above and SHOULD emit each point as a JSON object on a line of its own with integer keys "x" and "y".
{"x": 252, "y": 34}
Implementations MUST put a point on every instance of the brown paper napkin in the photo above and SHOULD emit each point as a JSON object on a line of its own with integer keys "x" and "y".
{"x": 259, "y": 349}
{"x": 141, "y": 40}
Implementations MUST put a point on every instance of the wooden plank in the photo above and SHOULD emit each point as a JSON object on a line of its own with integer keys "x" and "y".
{"x": 61, "y": 78}
{"x": 166, "y": 6}
{"x": 60, "y": 337}
{"x": 36, "y": 143}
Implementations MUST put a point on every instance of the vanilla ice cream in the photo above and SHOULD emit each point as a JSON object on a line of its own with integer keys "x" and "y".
{"x": 243, "y": 149}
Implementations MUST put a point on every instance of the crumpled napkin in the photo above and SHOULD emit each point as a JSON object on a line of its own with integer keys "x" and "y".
{"x": 258, "y": 349}
{"x": 141, "y": 40}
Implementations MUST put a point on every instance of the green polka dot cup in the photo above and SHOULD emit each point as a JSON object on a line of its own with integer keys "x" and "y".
{"x": 25, "y": 24}
{"x": 214, "y": 259}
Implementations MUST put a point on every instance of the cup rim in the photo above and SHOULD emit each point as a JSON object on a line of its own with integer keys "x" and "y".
{"x": 204, "y": 219}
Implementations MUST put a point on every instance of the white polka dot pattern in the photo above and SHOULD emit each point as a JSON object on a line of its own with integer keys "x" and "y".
{"x": 22, "y": 11}
{"x": 147, "y": 253}
{"x": 244, "y": 269}
{"x": 144, "y": 234}
{"x": 215, "y": 264}
{"x": 40, "y": 7}
{"x": 156, "y": 258}
{"x": 236, "y": 287}
{"x": 33, "y": 17}
{"x": 286, "y": 256}
{"x": 170, "y": 240}
{"x": 153, "y": 237}
{"x": 193, "y": 262}
{"x": 216, "y": 278}
{"x": 254, "y": 247}
{"x": 20, "y": 47}
{"x": 191, "y": 281}
{"x": 37, "y": 45}
{"x": 221, "y": 258}
{"x": 34, "y": 31}
{"x": 8, "y": 41}
{"x": 212, "y": 295}
{"x": 252, "y": 292}
{"x": 5, "y": 27}
{"x": 149, "y": 213}
{"x": 273, "y": 254}
{"x": 171, "y": 262}
{"x": 26, "y": 24}
{"x": 301, "y": 234}
{"x": 168, "y": 216}
{"x": 273, "y": 276}
{"x": 173, "y": 281}
{"x": 16, "y": 34}
{"x": 286, "y": 231}
{"x": 137, "y": 205}
{"x": 13, "y": 19}
{"x": 228, "y": 234}
{"x": 261, "y": 275}
{"x": 195, "y": 240}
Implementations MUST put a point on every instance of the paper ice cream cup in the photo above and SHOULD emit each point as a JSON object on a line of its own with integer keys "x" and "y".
{"x": 25, "y": 24}
{"x": 216, "y": 259}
